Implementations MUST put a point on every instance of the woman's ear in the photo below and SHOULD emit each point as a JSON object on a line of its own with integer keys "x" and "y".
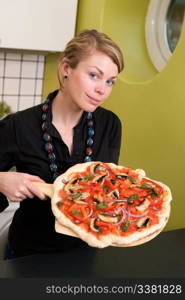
{"x": 64, "y": 68}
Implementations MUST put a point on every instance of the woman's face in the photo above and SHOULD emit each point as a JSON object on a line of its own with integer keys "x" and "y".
{"x": 91, "y": 82}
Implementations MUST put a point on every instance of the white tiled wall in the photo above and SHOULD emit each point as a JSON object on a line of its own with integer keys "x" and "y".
{"x": 21, "y": 79}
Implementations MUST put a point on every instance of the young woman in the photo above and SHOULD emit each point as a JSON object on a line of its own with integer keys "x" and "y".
{"x": 68, "y": 128}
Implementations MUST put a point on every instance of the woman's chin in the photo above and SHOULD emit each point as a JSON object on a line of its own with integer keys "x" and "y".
{"x": 90, "y": 108}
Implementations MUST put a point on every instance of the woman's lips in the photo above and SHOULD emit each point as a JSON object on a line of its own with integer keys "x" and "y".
{"x": 93, "y": 100}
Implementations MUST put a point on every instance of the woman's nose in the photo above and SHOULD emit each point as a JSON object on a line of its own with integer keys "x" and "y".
{"x": 100, "y": 89}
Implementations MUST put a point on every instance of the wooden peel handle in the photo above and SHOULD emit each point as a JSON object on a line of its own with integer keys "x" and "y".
{"x": 45, "y": 188}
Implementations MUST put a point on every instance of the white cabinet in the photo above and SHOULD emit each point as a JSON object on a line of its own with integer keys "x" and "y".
{"x": 45, "y": 25}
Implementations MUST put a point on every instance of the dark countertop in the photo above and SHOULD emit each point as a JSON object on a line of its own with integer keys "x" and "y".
{"x": 162, "y": 257}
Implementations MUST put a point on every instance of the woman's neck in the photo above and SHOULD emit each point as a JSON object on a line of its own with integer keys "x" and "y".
{"x": 65, "y": 113}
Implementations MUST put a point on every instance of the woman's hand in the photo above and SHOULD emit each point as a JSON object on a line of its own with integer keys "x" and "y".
{"x": 19, "y": 186}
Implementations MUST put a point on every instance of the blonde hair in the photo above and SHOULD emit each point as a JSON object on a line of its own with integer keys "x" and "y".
{"x": 84, "y": 44}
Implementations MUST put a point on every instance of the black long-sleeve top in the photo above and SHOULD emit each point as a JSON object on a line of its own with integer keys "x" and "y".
{"x": 21, "y": 145}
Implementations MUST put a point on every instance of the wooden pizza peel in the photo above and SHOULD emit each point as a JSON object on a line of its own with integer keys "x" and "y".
{"x": 49, "y": 190}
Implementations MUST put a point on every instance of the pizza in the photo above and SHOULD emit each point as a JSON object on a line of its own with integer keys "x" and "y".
{"x": 109, "y": 205}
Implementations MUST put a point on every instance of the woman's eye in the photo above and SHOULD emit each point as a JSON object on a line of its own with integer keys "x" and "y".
{"x": 110, "y": 82}
{"x": 93, "y": 75}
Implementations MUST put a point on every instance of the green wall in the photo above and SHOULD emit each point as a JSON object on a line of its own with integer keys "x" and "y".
{"x": 151, "y": 105}
{"x": 50, "y": 77}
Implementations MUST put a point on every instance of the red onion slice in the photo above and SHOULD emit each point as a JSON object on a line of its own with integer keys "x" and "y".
{"x": 120, "y": 200}
{"x": 123, "y": 216}
{"x": 77, "y": 221}
{"x": 89, "y": 214}
{"x": 155, "y": 208}
{"x": 64, "y": 181}
{"x": 137, "y": 216}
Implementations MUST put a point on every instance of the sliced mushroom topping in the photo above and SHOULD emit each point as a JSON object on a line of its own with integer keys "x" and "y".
{"x": 143, "y": 222}
{"x": 93, "y": 225}
{"x": 80, "y": 197}
{"x": 70, "y": 188}
{"x": 114, "y": 194}
{"x": 72, "y": 184}
{"x": 107, "y": 218}
{"x": 94, "y": 167}
{"x": 80, "y": 201}
{"x": 99, "y": 178}
{"x": 113, "y": 181}
{"x": 74, "y": 181}
{"x": 84, "y": 195}
{"x": 98, "y": 198}
{"x": 97, "y": 167}
{"x": 143, "y": 206}
{"x": 122, "y": 175}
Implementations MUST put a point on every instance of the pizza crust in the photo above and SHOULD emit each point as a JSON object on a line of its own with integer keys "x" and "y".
{"x": 68, "y": 227}
{"x": 64, "y": 230}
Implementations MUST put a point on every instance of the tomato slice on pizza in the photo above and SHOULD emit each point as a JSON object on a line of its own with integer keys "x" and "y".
{"x": 105, "y": 204}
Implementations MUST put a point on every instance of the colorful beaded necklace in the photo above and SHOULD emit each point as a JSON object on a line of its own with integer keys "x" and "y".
{"x": 49, "y": 148}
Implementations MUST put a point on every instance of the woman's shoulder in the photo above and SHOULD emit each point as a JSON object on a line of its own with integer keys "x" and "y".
{"x": 29, "y": 112}
{"x": 32, "y": 113}
{"x": 104, "y": 114}
{"x": 24, "y": 115}
{"x": 22, "y": 119}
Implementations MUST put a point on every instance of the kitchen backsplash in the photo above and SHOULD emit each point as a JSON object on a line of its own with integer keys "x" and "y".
{"x": 21, "y": 79}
